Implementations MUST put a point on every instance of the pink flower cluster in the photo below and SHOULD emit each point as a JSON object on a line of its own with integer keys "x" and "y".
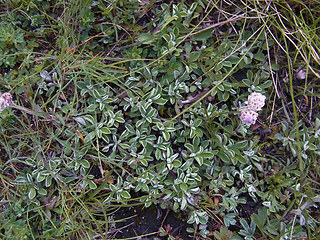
{"x": 5, "y": 101}
{"x": 255, "y": 103}
{"x": 248, "y": 117}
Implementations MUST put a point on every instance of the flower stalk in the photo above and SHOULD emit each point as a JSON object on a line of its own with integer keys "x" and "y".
{"x": 6, "y": 101}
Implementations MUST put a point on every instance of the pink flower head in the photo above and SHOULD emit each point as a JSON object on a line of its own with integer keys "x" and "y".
{"x": 256, "y": 101}
{"x": 248, "y": 117}
{"x": 5, "y": 101}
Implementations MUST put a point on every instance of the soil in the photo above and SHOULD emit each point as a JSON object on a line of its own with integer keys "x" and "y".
{"x": 141, "y": 222}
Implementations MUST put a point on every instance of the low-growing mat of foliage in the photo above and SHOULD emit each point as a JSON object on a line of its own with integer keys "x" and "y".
{"x": 125, "y": 119}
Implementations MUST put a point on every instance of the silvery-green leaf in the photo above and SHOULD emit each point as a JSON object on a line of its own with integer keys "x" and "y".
{"x": 80, "y": 120}
{"x": 45, "y": 75}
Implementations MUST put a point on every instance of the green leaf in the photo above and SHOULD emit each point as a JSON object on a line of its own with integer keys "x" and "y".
{"x": 194, "y": 56}
{"x": 105, "y": 130}
{"x": 48, "y": 181}
{"x": 195, "y": 141}
{"x": 259, "y": 56}
{"x": 247, "y": 82}
{"x": 197, "y": 122}
{"x": 158, "y": 154}
{"x": 250, "y": 75}
{"x": 40, "y": 177}
{"x": 145, "y": 187}
{"x": 84, "y": 163}
{"x": 29, "y": 177}
{"x": 224, "y": 234}
{"x": 183, "y": 203}
{"x": 160, "y": 101}
{"x": 193, "y": 88}
{"x": 247, "y": 60}
{"x": 168, "y": 20}
{"x": 119, "y": 119}
{"x": 186, "y": 165}
{"x": 80, "y": 120}
{"x": 130, "y": 128}
{"x": 89, "y": 119}
{"x": 227, "y": 64}
{"x": 199, "y": 160}
{"x": 244, "y": 224}
{"x": 273, "y": 226}
{"x": 233, "y": 59}
{"x": 239, "y": 145}
{"x": 124, "y": 145}
{"x": 207, "y": 155}
{"x": 234, "y": 160}
{"x": 125, "y": 194}
{"x": 203, "y": 36}
{"x": 218, "y": 67}
{"x": 144, "y": 162}
{"x": 32, "y": 193}
{"x": 183, "y": 186}
{"x": 199, "y": 132}
{"x": 42, "y": 191}
{"x": 92, "y": 184}
{"x": 275, "y": 67}
{"x": 266, "y": 84}
{"x": 176, "y": 163}
{"x": 258, "y": 166}
{"x": 166, "y": 136}
{"x": 241, "y": 159}
{"x": 146, "y": 38}
{"x": 221, "y": 87}
{"x": 202, "y": 220}
{"x": 229, "y": 219}
{"x": 312, "y": 147}
{"x": 260, "y": 219}
{"x": 224, "y": 157}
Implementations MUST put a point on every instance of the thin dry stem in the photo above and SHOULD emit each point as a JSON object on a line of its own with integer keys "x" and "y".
{"x": 48, "y": 117}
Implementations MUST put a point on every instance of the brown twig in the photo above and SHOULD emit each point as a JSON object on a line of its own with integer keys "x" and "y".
{"x": 165, "y": 217}
{"x": 217, "y": 25}
{"x": 195, "y": 98}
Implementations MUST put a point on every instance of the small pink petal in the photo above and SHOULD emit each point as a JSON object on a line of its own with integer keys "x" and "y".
{"x": 301, "y": 74}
